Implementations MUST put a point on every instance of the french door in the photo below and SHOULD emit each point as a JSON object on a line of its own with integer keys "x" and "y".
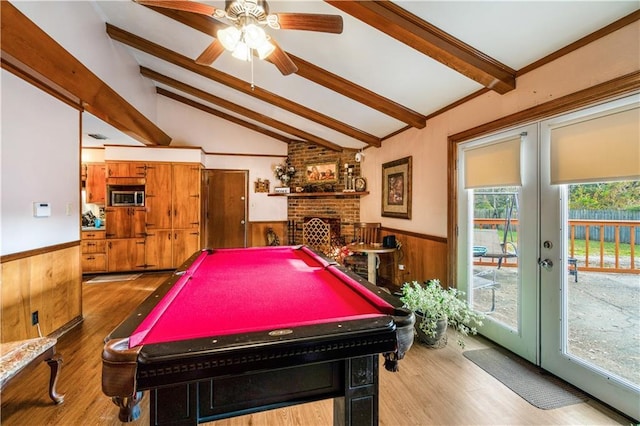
{"x": 523, "y": 283}
{"x": 590, "y": 326}
{"x": 498, "y": 234}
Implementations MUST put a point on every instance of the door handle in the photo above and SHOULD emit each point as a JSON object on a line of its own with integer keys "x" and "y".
{"x": 242, "y": 222}
{"x": 546, "y": 264}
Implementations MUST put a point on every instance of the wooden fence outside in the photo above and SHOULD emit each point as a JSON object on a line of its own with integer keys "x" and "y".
{"x": 603, "y": 260}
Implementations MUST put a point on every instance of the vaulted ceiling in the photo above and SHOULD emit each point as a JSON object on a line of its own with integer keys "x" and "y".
{"x": 394, "y": 65}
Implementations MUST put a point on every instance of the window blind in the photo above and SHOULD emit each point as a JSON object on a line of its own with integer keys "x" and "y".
{"x": 492, "y": 165}
{"x": 601, "y": 149}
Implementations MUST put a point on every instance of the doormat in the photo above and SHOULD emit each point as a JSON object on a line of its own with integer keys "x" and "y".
{"x": 112, "y": 278}
{"x": 538, "y": 387}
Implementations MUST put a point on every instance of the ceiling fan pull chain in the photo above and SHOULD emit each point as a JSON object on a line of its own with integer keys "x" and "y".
{"x": 251, "y": 60}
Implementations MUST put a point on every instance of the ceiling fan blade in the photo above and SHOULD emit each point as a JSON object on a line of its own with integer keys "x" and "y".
{"x": 210, "y": 54}
{"x": 310, "y": 22}
{"x": 281, "y": 60}
{"x": 184, "y": 5}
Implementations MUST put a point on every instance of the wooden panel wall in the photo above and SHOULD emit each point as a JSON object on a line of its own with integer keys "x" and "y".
{"x": 257, "y": 233}
{"x": 424, "y": 257}
{"x": 49, "y": 282}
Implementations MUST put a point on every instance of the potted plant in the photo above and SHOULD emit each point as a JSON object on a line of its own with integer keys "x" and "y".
{"x": 436, "y": 308}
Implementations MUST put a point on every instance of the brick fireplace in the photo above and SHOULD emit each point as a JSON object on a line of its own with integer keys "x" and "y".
{"x": 345, "y": 209}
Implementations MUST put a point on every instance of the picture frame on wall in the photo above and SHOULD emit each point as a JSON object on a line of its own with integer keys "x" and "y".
{"x": 326, "y": 172}
{"x": 396, "y": 188}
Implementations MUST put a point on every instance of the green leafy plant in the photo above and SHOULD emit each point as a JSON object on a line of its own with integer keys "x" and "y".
{"x": 432, "y": 303}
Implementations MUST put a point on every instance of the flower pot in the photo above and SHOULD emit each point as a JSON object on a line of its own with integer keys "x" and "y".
{"x": 440, "y": 338}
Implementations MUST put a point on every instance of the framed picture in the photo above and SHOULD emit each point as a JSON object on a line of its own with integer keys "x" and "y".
{"x": 396, "y": 188}
{"x": 321, "y": 172}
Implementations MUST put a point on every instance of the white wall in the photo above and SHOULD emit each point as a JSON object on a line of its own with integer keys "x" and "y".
{"x": 40, "y": 157}
{"x": 79, "y": 27}
{"x": 192, "y": 127}
{"x": 612, "y": 56}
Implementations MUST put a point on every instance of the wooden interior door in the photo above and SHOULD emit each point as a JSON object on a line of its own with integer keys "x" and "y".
{"x": 226, "y": 208}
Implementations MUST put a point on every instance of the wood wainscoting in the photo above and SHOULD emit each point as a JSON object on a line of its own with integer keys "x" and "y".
{"x": 257, "y": 233}
{"x": 47, "y": 280}
{"x": 424, "y": 257}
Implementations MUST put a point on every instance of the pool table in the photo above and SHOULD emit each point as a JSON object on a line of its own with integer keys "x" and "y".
{"x": 235, "y": 331}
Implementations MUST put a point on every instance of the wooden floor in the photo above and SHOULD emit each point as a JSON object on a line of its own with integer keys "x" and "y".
{"x": 433, "y": 387}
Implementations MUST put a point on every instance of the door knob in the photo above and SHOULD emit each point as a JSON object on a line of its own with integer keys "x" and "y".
{"x": 242, "y": 222}
{"x": 546, "y": 264}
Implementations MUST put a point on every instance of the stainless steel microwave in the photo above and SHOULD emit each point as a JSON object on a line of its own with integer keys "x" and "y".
{"x": 127, "y": 198}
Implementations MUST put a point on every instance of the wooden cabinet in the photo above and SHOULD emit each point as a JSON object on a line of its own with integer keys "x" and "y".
{"x": 125, "y": 254}
{"x": 185, "y": 243}
{"x": 95, "y": 183}
{"x": 158, "y": 195}
{"x": 186, "y": 196}
{"x": 125, "y": 222}
{"x": 172, "y": 194}
{"x": 125, "y": 169}
{"x": 163, "y": 233}
{"x": 94, "y": 251}
{"x": 159, "y": 249}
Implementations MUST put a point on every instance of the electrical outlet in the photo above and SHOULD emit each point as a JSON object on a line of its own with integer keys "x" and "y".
{"x": 401, "y": 267}
{"x": 34, "y": 318}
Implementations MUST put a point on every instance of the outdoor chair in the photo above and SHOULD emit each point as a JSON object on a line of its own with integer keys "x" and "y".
{"x": 487, "y": 244}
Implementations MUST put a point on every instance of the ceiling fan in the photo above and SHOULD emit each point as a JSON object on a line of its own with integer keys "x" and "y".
{"x": 245, "y": 35}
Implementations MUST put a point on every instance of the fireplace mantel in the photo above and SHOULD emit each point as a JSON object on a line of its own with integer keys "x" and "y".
{"x": 320, "y": 194}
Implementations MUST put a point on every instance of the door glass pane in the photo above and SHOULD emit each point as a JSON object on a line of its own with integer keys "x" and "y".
{"x": 602, "y": 280}
{"x": 495, "y": 285}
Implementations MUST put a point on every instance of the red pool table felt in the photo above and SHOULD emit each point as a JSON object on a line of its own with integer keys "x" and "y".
{"x": 232, "y": 291}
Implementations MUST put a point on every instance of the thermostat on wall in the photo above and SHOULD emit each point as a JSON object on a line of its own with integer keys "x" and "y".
{"x": 41, "y": 209}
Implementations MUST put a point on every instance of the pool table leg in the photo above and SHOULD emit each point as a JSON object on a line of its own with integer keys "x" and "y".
{"x": 129, "y": 407}
{"x": 359, "y": 405}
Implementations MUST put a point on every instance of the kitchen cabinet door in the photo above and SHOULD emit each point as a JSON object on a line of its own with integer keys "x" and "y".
{"x": 126, "y": 170}
{"x": 94, "y": 262}
{"x": 158, "y": 196}
{"x": 186, "y": 196}
{"x": 158, "y": 249}
{"x": 95, "y": 184}
{"x": 125, "y": 222}
{"x": 185, "y": 243}
{"x": 125, "y": 254}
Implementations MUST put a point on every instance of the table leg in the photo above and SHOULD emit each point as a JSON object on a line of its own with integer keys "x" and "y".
{"x": 359, "y": 405}
{"x": 54, "y": 363}
{"x": 371, "y": 267}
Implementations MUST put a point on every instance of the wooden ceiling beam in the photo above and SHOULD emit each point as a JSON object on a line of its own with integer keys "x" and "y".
{"x": 221, "y": 114}
{"x": 432, "y": 41}
{"x": 313, "y": 73}
{"x": 32, "y": 51}
{"x": 175, "y": 58}
{"x": 238, "y": 109}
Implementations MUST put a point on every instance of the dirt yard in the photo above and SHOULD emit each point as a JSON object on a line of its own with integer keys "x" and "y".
{"x": 604, "y": 317}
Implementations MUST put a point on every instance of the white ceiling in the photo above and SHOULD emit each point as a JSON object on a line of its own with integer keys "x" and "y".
{"x": 516, "y": 33}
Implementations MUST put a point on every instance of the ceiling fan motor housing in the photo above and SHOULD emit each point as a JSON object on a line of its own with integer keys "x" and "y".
{"x": 257, "y": 9}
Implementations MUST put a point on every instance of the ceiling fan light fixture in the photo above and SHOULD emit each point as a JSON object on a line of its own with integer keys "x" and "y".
{"x": 242, "y": 52}
{"x": 254, "y": 36}
{"x": 265, "y": 49}
{"x": 229, "y": 37}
